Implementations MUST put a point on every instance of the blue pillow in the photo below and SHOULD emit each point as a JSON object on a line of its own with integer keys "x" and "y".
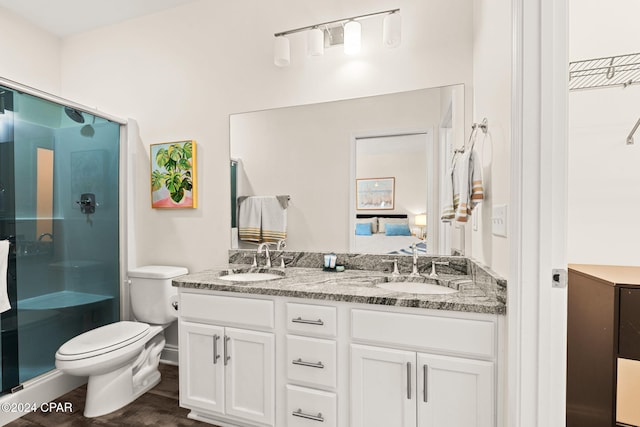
{"x": 397, "y": 230}
{"x": 363, "y": 229}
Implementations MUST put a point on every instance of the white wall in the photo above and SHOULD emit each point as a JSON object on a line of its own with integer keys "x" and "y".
{"x": 604, "y": 177}
{"x": 492, "y": 99}
{"x": 30, "y": 55}
{"x": 407, "y": 163}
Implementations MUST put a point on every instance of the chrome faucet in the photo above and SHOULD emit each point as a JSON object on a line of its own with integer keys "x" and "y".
{"x": 433, "y": 267}
{"x": 395, "y": 272}
{"x": 280, "y": 245}
{"x": 414, "y": 272}
{"x": 267, "y": 255}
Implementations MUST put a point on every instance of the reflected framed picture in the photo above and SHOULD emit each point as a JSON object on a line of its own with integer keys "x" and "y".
{"x": 173, "y": 175}
{"x": 375, "y": 193}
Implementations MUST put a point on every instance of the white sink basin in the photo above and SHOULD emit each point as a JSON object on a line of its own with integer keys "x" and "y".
{"x": 250, "y": 277}
{"x": 416, "y": 288}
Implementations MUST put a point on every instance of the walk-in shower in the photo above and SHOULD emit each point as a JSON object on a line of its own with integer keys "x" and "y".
{"x": 59, "y": 195}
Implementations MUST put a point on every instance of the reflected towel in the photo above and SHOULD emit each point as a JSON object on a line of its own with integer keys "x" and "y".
{"x": 4, "y": 261}
{"x": 249, "y": 219}
{"x": 274, "y": 219}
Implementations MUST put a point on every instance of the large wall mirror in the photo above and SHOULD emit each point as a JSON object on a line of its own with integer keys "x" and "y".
{"x": 377, "y": 160}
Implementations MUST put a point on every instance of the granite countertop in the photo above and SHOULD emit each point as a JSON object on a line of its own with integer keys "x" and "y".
{"x": 355, "y": 286}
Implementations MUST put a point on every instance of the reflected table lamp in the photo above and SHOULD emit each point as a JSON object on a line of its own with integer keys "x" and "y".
{"x": 421, "y": 221}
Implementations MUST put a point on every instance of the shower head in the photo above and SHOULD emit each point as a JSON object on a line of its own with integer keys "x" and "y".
{"x": 74, "y": 114}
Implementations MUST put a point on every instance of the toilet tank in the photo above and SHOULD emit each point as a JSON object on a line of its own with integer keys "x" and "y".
{"x": 152, "y": 294}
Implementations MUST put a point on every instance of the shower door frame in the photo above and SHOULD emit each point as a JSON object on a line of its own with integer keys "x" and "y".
{"x": 125, "y": 214}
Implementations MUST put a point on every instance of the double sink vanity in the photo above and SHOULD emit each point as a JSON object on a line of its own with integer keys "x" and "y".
{"x": 369, "y": 346}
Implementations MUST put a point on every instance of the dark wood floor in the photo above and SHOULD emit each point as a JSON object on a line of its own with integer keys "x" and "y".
{"x": 158, "y": 407}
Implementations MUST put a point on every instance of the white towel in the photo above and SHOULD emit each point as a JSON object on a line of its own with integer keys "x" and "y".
{"x": 461, "y": 187}
{"x": 274, "y": 220}
{"x": 249, "y": 219}
{"x": 448, "y": 209}
{"x": 476, "y": 187}
{"x": 262, "y": 219}
{"x": 4, "y": 261}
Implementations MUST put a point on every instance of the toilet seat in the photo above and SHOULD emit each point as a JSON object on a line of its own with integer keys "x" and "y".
{"x": 104, "y": 339}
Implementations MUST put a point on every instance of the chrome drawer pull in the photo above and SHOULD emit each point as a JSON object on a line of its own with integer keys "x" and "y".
{"x": 301, "y": 414}
{"x": 425, "y": 373}
{"x": 318, "y": 322}
{"x": 226, "y": 350}
{"x": 409, "y": 380}
{"x": 301, "y": 362}
{"x": 216, "y": 356}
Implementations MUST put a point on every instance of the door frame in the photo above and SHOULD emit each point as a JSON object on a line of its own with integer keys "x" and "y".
{"x": 536, "y": 313}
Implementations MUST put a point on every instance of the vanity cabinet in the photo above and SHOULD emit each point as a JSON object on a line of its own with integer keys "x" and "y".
{"x": 299, "y": 363}
{"x": 426, "y": 371}
{"x": 408, "y": 389}
{"x": 226, "y": 371}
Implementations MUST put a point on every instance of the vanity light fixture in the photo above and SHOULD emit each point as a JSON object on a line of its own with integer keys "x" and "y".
{"x": 341, "y": 31}
{"x": 391, "y": 30}
{"x": 315, "y": 42}
{"x": 281, "y": 52}
{"x": 352, "y": 37}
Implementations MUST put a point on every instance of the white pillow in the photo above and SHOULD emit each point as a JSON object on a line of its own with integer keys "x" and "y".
{"x": 383, "y": 221}
{"x": 373, "y": 221}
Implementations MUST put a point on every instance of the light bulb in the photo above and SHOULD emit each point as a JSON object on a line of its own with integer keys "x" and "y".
{"x": 391, "y": 30}
{"x": 352, "y": 37}
{"x": 315, "y": 42}
{"x": 281, "y": 53}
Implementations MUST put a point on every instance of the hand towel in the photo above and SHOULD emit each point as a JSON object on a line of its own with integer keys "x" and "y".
{"x": 475, "y": 179}
{"x": 448, "y": 211}
{"x": 274, "y": 219}
{"x": 4, "y": 262}
{"x": 461, "y": 189}
{"x": 249, "y": 219}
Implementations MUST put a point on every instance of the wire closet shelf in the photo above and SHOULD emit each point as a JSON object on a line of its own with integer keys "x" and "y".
{"x": 621, "y": 70}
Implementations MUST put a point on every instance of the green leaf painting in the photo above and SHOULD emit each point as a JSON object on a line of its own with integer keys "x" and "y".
{"x": 173, "y": 167}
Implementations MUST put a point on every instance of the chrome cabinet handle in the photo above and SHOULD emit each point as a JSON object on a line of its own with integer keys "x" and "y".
{"x": 318, "y": 322}
{"x": 216, "y": 356}
{"x": 409, "y": 380}
{"x": 226, "y": 350}
{"x": 301, "y": 362}
{"x": 301, "y": 414}
{"x": 425, "y": 372}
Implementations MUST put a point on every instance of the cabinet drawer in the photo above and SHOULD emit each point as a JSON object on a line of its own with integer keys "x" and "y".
{"x": 429, "y": 333}
{"x": 307, "y": 407}
{"x": 309, "y": 319}
{"x": 311, "y": 361}
{"x": 628, "y": 336}
{"x": 219, "y": 309}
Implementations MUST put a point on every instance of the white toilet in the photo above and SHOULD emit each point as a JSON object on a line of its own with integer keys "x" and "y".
{"x": 121, "y": 359}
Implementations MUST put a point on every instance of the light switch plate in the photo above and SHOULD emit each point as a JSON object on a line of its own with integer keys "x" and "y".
{"x": 499, "y": 220}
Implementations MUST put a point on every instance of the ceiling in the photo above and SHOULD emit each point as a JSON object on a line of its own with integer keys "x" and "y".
{"x": 68, "y": 17}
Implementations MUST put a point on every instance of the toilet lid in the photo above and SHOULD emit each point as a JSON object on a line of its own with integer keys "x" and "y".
{"x": 103, "y": 340}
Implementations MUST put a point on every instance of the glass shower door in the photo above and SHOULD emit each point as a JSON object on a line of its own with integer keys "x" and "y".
{"x": 65, "y": 226}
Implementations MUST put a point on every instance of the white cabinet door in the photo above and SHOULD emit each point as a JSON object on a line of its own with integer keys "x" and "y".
{"x": 201, "y": 374}
{"x": 383, "y": 387}
{"x": 250, "y": 377}
{"x": 459, "y": 392}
